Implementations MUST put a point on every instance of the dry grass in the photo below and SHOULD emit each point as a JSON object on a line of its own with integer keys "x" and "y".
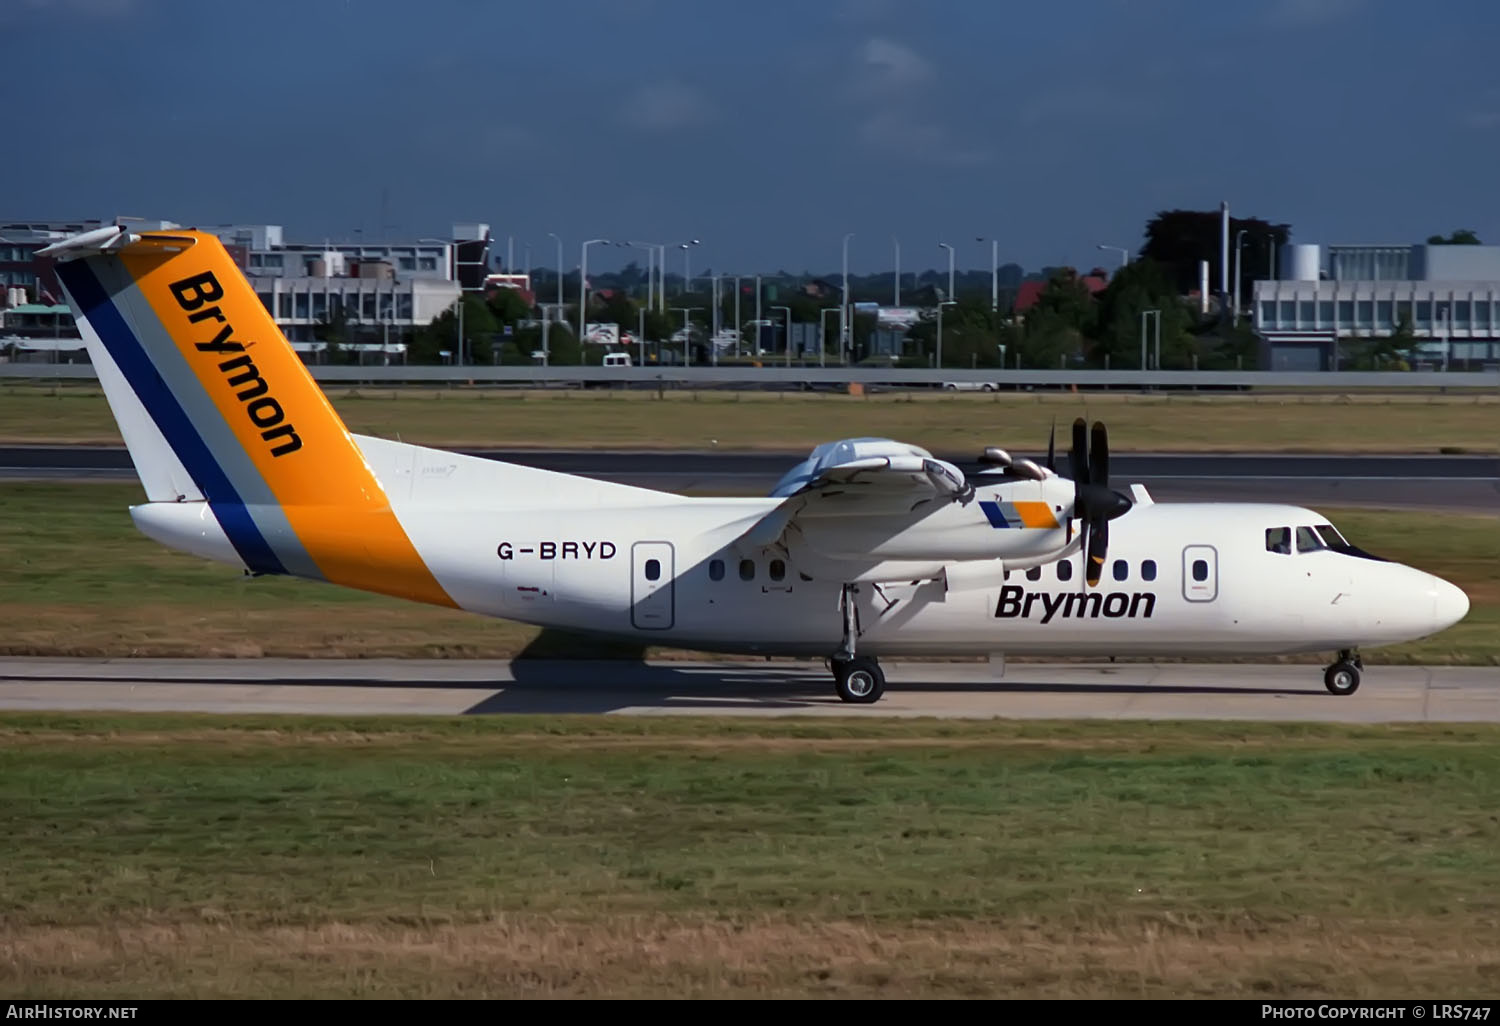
{"x": 698, "y": 957}
{"x": 794, "y": 421}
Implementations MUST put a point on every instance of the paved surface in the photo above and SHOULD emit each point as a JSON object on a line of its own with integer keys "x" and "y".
{"x": 1469, "y": 483}
{"x": 1026, "y": 691}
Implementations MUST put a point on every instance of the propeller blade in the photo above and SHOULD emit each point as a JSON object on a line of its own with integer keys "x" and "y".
{"x": 1099, "y": 456}
{"x": 1098, "y": 546}
{"x": 1080, "y": 453}
{"x": 1052, "y": 447}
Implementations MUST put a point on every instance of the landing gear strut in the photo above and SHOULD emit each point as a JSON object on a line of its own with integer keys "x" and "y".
{"x": 1342, "y": 678}
{"x": 856, "y": 678}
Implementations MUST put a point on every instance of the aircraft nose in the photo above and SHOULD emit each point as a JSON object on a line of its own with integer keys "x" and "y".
{"x": 1449, "y": 603}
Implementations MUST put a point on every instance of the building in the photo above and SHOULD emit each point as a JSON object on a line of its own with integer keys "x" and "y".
{"x": 1447, "y": 295}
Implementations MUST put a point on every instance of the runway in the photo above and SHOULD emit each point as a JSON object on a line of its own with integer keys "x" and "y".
{"x": 1126, "y": 691}
{"x": 1444, "y": 482}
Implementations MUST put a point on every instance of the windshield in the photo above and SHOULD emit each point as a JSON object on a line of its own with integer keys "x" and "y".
{"x": 1331, "y": 536}
{"x": 1309, "y": 540}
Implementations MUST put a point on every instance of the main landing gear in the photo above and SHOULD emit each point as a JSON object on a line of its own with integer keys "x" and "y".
{"x": 1342, "y": 678}
{"x": 856, "y": 678}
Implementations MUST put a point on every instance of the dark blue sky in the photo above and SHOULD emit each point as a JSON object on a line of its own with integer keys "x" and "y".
{"x": 768, "y": 129}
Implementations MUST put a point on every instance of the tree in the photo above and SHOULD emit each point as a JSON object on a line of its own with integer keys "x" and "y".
{"x": 1059, "y": 326}
{"x": 1140, "y": 286}
{"x": 1462, "y": 237}
{"x": 1179, "y": 239}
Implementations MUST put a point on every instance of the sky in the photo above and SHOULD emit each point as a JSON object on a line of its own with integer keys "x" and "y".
{"x": 766, "y": 130}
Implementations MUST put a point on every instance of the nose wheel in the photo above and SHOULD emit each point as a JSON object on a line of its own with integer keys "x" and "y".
{"x": 1342, "y": 678}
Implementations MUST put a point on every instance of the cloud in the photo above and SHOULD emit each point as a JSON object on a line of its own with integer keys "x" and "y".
{"x": 667, "y": 107}
{"x": 1311, "y": 12}
{"x": 906, "y": 134}
{"x": 889, "y": 67}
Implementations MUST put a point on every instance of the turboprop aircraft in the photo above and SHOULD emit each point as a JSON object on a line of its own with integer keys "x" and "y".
{"x": 869, "y": 548}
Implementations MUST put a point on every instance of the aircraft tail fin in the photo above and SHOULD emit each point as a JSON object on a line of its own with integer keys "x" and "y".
{"x": 215, "y": 405}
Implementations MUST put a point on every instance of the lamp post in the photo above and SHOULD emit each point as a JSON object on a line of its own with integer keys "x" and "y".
{"x": 949, "y": 248}
{"x": 687, "y": 334}
{"x": 844, "y": 299}
{"x": 897, "y": 243}
{"x": 687, "y": 266}
{"x": 583, "y": 286}
{"x": 1124, "y": 253}
{"x": 1238, "y": 236}
{"x": 559, "y": 273}
{"x": 1156, "y": 315}
{"x": 946, "y": 302}
{"x": 994, "y": 272}
{"x": 788, "y": 332}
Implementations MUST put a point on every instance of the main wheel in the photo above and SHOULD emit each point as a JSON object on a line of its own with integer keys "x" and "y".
{"x": 860, "y": 680}
{"x": 1341, "y": 679}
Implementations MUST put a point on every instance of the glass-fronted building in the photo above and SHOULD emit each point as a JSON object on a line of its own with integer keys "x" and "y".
{"x": 1448, "y": 296}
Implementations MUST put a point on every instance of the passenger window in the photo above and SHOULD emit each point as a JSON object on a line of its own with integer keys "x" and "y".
{"x": 1122, "y": 569}
{"x": 1064, "y": 570}
{"x": 747, "y": 570}
{"x": 653, "y": 570}
{"x": 1308, "y": 540}
{"x": 716, "y": 570}
{"x": 1200, "y": 570}
{"x": 778, "y": 569}
{"x": 1148, "y": 570}
{"x": 1279, "y": 540}
{"x": 1034, "y": 574}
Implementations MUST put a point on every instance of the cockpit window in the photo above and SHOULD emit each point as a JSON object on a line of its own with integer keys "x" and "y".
{"x": 1279, "y": 539}
{"x": 1308, "y": 540}
{"x": 1331, "y": 536}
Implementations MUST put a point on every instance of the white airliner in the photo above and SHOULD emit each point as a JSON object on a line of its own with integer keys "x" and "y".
{"x": 869, "y": 548}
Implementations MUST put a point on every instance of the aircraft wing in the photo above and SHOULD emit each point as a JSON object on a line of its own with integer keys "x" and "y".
{"x": 874, "y": 486}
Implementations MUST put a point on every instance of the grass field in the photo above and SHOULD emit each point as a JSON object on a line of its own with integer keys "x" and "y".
{"x": 79, "y": 580}
{"x": 193, "y": 857}
{"x": 797, "y": 421}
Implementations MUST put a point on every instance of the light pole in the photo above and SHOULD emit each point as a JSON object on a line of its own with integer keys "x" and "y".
{"x": 583, "y": 286}
{"x": 687, "y": 334}
{"x": 1238, "y": 236}
{"x": 844, "y": 300}
{"x": 559, "y": 273}
{"x": 949, "y": 248}
{"x": 1124, "y": 253}
{"x": 1156, "y": 316}
{"x": 788, "y": 332}
{"x": 994, "y": 272}
{"x": 687, "y": 267}
{"x": 897, "y": 243}
{"x": 946, "y": 302}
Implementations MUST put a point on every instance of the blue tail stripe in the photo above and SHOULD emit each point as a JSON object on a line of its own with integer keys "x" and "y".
{"x": 992, "y": 511}
{"x": 170, "y": 418}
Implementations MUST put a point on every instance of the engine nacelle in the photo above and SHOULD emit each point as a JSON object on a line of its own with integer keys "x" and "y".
{"x": 974, "y": 574}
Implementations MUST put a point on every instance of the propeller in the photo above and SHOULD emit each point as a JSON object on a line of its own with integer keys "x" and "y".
{"x": 1095, "y": 504}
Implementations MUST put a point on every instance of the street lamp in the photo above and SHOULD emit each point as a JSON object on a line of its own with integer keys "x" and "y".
{"x": 1124, "y": 253}
{"x": 1155, "y": 315}
{"x": 687, "y": 267}
{"x": 897, "y": 243}
{"x": 994, "y": 272}
{"x": 949, "y": 248}
{"x": 788, "y": 332}
{"x": 946, "y": 302}
{"x": 687, "y": 334}
{"x": 559, "y": 273}
{"x": 1238, "y": 236}
{"x": 844, "y": 301}
{"x": 583, "y": 286}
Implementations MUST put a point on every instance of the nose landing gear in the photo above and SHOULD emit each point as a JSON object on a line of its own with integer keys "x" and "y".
{"x": 1342, "y": 678}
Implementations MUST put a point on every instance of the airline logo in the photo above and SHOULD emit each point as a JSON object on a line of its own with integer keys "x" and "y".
{"x": 1018, "y": 514}
{"x": 1018, "y": 604}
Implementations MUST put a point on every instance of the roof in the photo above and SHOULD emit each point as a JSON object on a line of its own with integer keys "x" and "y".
{"x": 1031, "y": 291}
